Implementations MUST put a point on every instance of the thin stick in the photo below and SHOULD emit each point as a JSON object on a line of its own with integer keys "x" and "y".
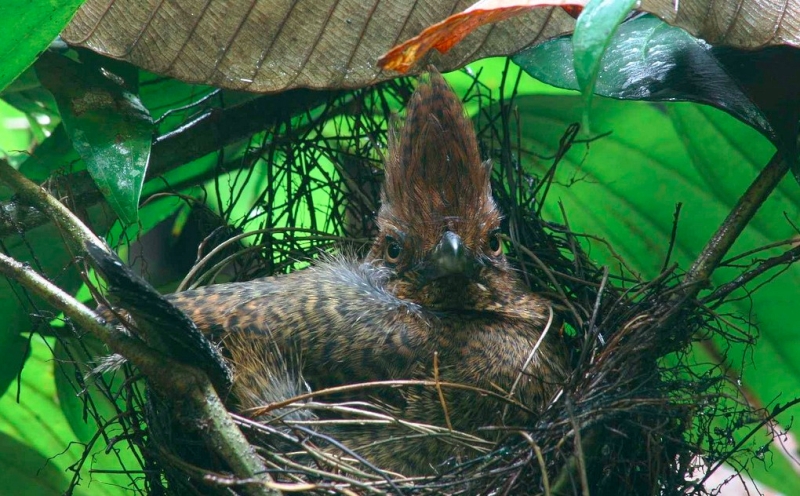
{"x": 723, "y": 291}
{"x": 672, "y": 236}
{"x": 597, "y": 302}
{"x": 263, "y": 410}
{"x": 579, "y": 453}
{"x": 540, "y": 458}
{"x": 533, "y": 352}
{"x": 439, "y": 390}
{"x": 566, "y": 301}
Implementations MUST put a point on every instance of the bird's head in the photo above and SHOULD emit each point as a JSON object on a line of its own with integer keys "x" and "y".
{"x": 438, "y": 223}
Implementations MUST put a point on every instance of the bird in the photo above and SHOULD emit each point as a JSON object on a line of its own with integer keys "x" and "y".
{"x": 435, "y": 300}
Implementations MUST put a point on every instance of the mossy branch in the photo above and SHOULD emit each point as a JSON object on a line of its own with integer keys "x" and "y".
{"x": 173, "y": 379}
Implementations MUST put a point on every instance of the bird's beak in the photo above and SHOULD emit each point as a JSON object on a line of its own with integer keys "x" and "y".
{"x": 450, "y": 257}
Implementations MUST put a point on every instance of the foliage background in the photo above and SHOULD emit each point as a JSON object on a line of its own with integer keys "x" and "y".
{"x": 622, "y": 188}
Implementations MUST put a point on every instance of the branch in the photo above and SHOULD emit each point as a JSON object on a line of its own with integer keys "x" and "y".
{"x": 733, "y": 225}
{"x": 48, "y": 207}
{"x": 697, "y": 277}
{"x": 719, "y": 294}
{"x": 217, "y": 128}
{"x": 173, "y": 379}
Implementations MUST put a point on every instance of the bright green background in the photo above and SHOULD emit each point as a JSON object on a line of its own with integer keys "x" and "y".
{"x": 622, "y": 188}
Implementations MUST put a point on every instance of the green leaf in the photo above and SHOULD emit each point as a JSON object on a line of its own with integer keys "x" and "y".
{"x": 27, "y": 471}
{"x": 70, "y": 400}
{"x": 593, "y": 33}
{"x": 29, "y": 27}
{"x": 624, "y": 187}
{"x": 648, "y": 59}
{"x": 15, "y": 352}
{"x": 55, "y": 153}
{"x": 42, "y": 248}
{"x": 38, "y": 423}
{"x": 109, "y": 128}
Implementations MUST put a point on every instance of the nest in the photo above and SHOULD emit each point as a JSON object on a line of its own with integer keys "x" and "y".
{"x": 632, "y": 418}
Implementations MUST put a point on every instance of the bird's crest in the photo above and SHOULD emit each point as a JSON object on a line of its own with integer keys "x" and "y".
{"x": 434, "y": 174}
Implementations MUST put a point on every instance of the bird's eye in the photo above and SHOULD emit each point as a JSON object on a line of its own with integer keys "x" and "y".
{"x": 393, "y": 250}
{"x": 495, "y": 247}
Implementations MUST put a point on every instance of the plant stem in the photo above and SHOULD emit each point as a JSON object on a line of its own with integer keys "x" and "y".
{"x": 36, "y": 196}
{"x": 733, "y": 225}
{"x": 189, "y": 386}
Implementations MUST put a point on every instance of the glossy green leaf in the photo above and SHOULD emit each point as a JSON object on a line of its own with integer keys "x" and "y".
{"x": 624, "y": 188}
{"x": 593, "y": 33}
{"x": 649, "y": 60}
{"x": 109, "y": 128}
{"x": 34, "y": 24}
{"x": 38, "y": 423}
{"x": 38, "y": 108}
{"x": 27, "y": 95}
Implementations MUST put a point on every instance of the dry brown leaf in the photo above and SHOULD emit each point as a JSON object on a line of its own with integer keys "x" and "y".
{"x": 274, "y": 45}
{"x": 446, "y": 34}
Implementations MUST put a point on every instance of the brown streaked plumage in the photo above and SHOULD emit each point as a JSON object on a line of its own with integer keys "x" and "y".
{"x": 436, "y": 282}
